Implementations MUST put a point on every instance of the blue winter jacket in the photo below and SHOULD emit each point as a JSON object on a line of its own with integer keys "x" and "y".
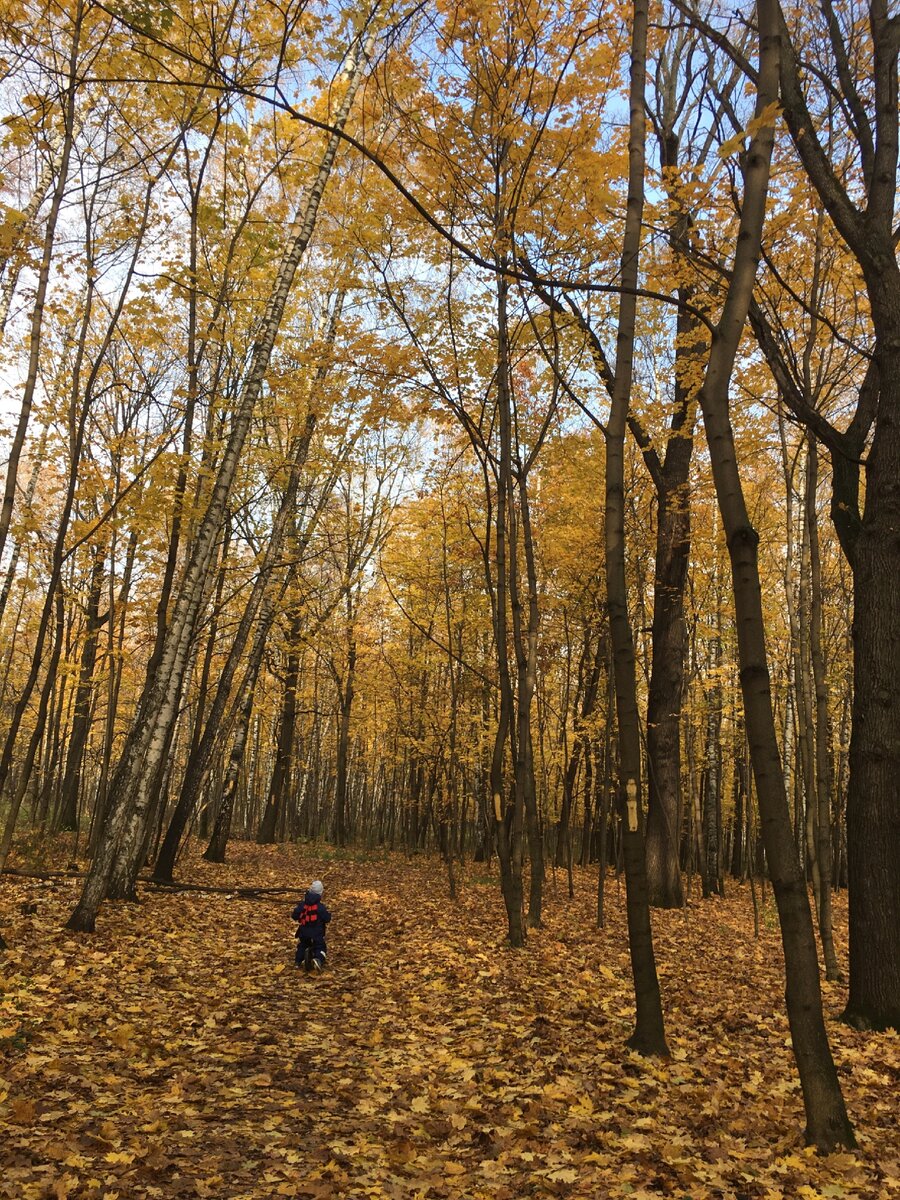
{"x": 312, "y": 915}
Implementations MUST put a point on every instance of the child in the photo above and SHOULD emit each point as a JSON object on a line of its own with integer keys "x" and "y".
{"x": 312, "y": 916}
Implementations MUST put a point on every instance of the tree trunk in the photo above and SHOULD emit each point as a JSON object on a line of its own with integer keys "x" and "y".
{"x": 129, "y": 791}
{"x": 827, "y": 1123}
{"x": 648, "y": 1037}
{"x": 823, "y": 757}
{"x": 345, "y": 706}
{"x": 43, "y": 278}
{"x": 873, "y": 798}
{"x": 284, "y": 751}
{"x": 215, "y": 851}
{"x": 509, "y": 810}
{"x": 81, "y": 722}
{"x": 201, "y": 755}
{"x": 870, "y": 540}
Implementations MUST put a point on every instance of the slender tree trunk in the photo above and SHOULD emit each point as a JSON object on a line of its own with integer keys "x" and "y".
{"x": 43, "y": 279}
{"x": 827, "y": 1123}
{"x": 27, "y": 764}
{"x": 215, "y": 851}
{"x": 648, "y": 1037}
{"x": 741, "y": 803}
{"x": 284, "y": 751}
{"x": 345, "y": 706}
{"x": 508, "y": 810}
{"x": 129, "y": 792}
{"x": 712, "y": 772}
{"x": 526, "y": 645}
{"x": 116, "y": 663}
{"x": 81, "y": 723}
{"x": 823, "y": 757}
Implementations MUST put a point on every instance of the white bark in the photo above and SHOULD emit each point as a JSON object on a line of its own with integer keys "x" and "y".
{"x": 129, "y": 791}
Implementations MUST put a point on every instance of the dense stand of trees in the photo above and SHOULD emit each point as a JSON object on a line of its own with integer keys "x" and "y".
{"x": 355, "y": 360}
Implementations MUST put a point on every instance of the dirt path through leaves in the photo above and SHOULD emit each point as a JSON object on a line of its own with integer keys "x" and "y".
{"x": 179, "y": 1054}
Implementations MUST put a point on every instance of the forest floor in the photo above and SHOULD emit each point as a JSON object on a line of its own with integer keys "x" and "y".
{"x": 177, "y": 1053}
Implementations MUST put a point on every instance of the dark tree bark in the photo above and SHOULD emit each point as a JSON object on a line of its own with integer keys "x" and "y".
{"x": 827, "y": 1123}
{"x": 869, "y": 538}
{"x": 508, "y": 805}
{"x": 81, "y": 720}
{"x": 822, "y": 823}
{"x": 649, "y": 1036}
{"x": 215, "y": 851}
{"x": 282, "y": 771}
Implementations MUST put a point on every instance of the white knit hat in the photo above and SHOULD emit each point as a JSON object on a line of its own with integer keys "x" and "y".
{"x": 317, "y": 887}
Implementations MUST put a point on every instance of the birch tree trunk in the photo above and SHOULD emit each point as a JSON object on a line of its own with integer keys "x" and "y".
{"x": 199, "y": 760}
{"x": 43, "y": 279}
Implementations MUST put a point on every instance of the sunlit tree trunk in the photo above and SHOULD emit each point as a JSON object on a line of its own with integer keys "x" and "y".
{"x": 130, "y": 792}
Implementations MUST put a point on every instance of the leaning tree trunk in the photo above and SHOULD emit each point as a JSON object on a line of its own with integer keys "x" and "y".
{"x": 827, "y": 1123}
{"x": 129, "y": 796}
{"x": 200, "y": 757}
{"x": 215, "y": 851}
